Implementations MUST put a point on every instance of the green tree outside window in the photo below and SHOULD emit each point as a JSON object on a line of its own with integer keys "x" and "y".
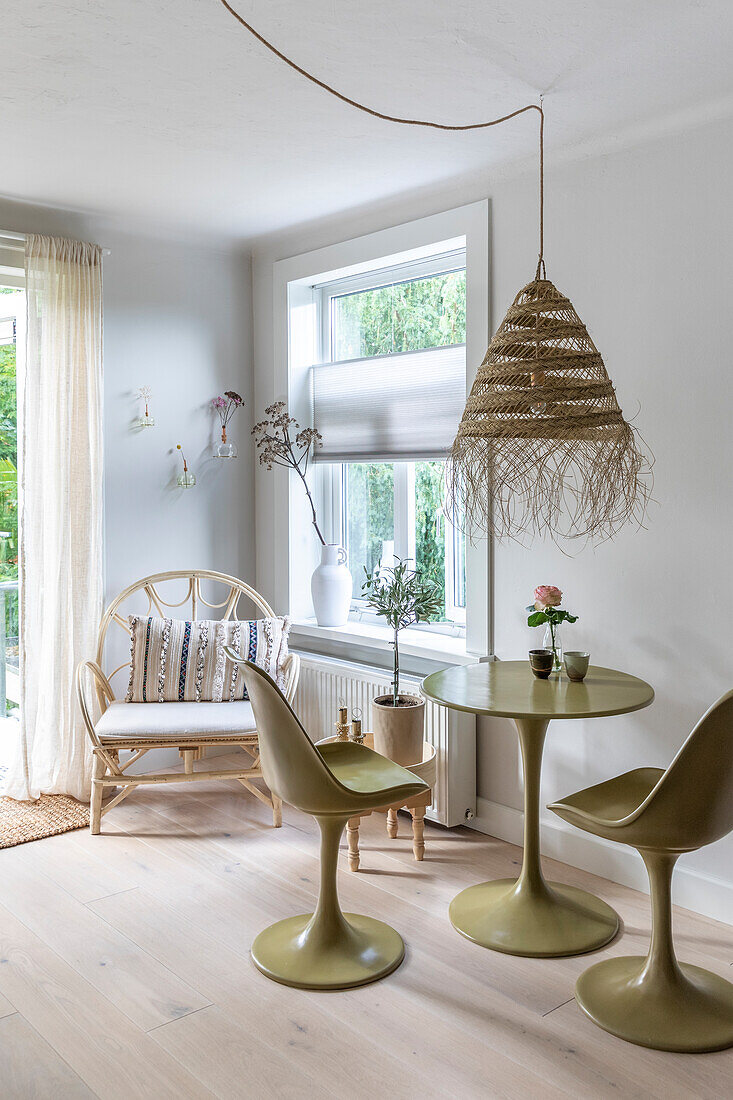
{"x": 422, "y": 313}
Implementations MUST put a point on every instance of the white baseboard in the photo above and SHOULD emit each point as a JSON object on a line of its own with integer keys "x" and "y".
{"x": 701, "y": 893}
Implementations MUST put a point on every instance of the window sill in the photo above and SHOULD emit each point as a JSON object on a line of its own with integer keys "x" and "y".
{"x": 418, "y": 644}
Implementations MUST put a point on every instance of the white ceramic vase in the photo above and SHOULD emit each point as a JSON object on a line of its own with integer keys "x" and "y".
{"x": 331, "y": 587}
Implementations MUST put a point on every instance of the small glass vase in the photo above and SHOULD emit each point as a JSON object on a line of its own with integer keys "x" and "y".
{"x": 553, "y": 641}
{"x": 225, "y": 449}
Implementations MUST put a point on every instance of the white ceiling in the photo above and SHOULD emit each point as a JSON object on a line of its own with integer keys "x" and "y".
{"x": 167, "y": 110}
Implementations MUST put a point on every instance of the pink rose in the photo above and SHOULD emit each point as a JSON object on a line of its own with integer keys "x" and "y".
{"x": 546, "y": 595}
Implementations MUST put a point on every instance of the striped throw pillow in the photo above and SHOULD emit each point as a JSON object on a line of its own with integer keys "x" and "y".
{"x": 176, "y": 661}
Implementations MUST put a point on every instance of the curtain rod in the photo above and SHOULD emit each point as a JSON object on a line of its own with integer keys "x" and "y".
{"x": 22, "y": 236}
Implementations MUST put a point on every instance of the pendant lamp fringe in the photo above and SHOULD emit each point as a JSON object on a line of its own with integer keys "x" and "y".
{"x": 542, "y": 446}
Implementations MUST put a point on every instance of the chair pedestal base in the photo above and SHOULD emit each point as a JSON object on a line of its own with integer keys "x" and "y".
{"x": 689, "y": 1011}
{"x": 295, "y": 952}
{"x": 538, "y": 920}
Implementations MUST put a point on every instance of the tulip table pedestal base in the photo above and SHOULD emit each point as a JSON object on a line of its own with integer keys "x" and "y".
{"x": 546, "y": 920}
{"x": 529, "y": 916}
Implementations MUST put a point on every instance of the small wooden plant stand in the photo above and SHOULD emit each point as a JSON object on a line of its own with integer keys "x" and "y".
{"x": 427, "y": 771}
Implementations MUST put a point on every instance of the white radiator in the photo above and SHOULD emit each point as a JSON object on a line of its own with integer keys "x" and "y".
{"x": 325, "y": 680}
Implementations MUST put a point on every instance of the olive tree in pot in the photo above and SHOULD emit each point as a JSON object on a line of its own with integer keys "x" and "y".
{"x": 402, "y": 597}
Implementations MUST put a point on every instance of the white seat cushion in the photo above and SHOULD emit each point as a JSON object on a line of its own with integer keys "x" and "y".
{"x": 168, "y": 721}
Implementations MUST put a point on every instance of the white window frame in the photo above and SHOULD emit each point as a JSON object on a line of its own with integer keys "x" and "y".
{"x": 332, "y": 485}
{"x": 286, "y": 548}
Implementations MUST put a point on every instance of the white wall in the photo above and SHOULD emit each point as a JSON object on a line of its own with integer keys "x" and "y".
{"x": 177, "y": 317}
{"x": 640, "y": 240}
{"x": 641, "y": 243}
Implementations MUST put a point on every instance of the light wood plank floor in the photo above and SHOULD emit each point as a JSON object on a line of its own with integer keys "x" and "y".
{"x": 124, "y": 970}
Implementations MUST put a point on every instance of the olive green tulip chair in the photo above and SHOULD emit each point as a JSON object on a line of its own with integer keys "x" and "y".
{"x": 657, "y": 1001}
{"x": 327, "y": 949}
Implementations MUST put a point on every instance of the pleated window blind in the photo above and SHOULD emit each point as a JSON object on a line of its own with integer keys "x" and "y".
{"x": 402, "y": 407}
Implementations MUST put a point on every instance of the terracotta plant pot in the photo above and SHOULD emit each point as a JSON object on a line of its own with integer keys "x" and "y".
{"x": 398, "y": 731}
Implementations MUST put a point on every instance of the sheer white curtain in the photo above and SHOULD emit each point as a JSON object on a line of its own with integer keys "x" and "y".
{"x": 61, "y": 512}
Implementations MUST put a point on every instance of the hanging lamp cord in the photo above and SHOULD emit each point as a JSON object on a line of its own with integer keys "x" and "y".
{"x": 412, "y": 121}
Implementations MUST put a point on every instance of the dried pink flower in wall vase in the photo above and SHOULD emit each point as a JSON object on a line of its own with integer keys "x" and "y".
{"x": 225, "y": 407}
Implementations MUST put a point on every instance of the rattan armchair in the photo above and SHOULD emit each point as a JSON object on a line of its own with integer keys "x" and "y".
{"x": 191, "y": 730}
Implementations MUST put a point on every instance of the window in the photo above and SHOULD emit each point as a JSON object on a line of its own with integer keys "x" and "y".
{"x": 397, "y": 305}
{"x": 380, "y": 388}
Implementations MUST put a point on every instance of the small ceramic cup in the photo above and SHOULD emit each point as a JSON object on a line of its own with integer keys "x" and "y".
{"x": 540, "y": 661}
{"x": 576, "y": 664}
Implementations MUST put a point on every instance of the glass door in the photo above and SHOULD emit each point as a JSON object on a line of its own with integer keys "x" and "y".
{"x": 12, "y": 319}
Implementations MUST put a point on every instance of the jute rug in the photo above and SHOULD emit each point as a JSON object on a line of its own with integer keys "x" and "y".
{"x": 50, "y": 815}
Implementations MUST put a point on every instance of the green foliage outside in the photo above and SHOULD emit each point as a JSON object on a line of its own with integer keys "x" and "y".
{"x": 9, "y": 484}
{"x": 422, "y": 313}
{"x": 8, "y": 464}
{"x": 430, "y": 528}
{"x": 369, "y": 515}
{"x": 370, "y": 521}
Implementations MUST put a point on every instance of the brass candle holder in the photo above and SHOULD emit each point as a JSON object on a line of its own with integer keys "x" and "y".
{"x": 356, "y": 730}
{"x": 342, "y": 725}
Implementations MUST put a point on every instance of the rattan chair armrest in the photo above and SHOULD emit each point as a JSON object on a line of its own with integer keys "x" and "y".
{"x": 104, "y": 690}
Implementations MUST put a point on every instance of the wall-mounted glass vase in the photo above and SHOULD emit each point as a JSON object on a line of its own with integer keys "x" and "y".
{"x": 225, "y": 406}
{"x": 225, "y": 449}
{"x": 185, "y": 479}
{"x": 146, "y": 420}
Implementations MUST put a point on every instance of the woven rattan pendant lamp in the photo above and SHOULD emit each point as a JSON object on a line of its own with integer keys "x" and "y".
{"x": 542, "y": 446}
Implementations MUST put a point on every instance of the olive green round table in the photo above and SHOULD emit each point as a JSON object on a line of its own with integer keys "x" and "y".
{"x": 531, "y": 916}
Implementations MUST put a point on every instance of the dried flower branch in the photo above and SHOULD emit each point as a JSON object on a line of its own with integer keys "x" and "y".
{"x": 278, "y": 447}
